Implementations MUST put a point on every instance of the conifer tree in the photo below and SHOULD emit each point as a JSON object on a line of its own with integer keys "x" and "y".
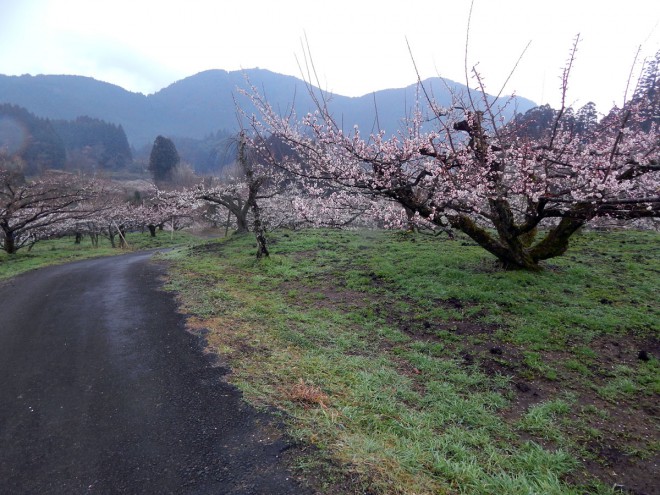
{"x": 163, "y": 159}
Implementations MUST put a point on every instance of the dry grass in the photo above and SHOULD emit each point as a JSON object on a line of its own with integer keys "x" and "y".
{"x": 307, "y": 394}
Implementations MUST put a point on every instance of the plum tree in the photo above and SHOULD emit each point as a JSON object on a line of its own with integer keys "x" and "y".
{"x": 520, "y": 197}
{"x": 31, "y": 210}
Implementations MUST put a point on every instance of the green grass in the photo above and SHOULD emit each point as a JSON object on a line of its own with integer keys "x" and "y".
{"x": 62, "y": 250}
{"x": 401, "y": 357}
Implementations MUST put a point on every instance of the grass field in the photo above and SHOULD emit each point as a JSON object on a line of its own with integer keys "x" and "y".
{"x": 408, "y": 364}
{"x": 63, "y": 250}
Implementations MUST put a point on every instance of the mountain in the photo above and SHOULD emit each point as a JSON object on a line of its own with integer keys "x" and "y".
{"x": 202, "y": 104}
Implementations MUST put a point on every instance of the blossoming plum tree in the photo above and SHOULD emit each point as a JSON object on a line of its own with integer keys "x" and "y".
{"x": 31, "y": 210}
{"x": 242, "y": 193}
{"x": 518, "y": 197}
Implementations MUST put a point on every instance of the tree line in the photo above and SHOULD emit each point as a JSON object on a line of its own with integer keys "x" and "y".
{"x": 42, "y": 144}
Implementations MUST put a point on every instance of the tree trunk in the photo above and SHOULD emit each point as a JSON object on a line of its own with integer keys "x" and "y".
{"x": 152, "y": 229}
{"x": 262, "y": 248}
{"x": 79, "y": 237}
{"x": 555, "y": 243}
{"x": 8, "y": 241}
{"x": 254, "y": 184}
{"x": 514, "y": 251}
{"x": 111, "y": 236}
{"x": 228, "y": 222}
{"x": 518, "y": 258}
{"x": 236, "y": 207}
{"x": 510, "y": 250}
{"x": 242, "y": 224}
{"x": 9, "y": 245}
{"x": 122, "y": 237}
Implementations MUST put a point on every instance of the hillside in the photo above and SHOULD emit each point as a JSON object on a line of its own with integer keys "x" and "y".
{"x": 202, "y": 104}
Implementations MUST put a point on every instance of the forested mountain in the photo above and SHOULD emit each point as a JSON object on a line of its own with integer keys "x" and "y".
{"x": 31, "y": 139}
{"x": 94, "y": 141}
{"x": 69, "y": 97}
{"x": 41, "y": 144}
{"x": 203, "y": 104}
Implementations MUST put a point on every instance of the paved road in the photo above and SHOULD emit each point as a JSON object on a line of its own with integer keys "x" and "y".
{"x": 103, "y": 391}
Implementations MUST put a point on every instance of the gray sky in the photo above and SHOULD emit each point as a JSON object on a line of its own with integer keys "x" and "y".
{"x": 357, "y": 46}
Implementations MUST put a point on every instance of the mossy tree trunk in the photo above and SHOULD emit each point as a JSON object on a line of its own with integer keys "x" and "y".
{"x": 516, "y": 249}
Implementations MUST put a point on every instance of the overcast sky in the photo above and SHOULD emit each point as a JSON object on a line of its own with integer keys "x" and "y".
{"x": 357, "y": 46}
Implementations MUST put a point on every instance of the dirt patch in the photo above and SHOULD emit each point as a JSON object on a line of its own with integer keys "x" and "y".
{"x": 208, "y": 248}
{"x": 627, "y": 351}
{"x": 617, "y": 438}
{"x": 428, "y": 330}
{"x": 326, "y": 296}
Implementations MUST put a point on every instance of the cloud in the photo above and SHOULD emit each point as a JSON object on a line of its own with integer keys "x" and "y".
{"x": 358, "y": 47}
{"x": 111, "y": 61}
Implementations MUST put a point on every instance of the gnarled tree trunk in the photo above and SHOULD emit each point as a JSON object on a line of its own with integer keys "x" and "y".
{"x": 254, "y": 184}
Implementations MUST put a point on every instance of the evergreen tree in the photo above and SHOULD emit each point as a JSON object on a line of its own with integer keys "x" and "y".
{"x": 163, "y": 159}
{"x": 535, "y": 122}
{"x": 586, "y": 118}
{"x": 648, "y": 87}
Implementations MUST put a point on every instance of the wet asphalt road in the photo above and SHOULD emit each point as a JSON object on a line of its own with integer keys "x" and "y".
{"x": 103, "y": 391}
